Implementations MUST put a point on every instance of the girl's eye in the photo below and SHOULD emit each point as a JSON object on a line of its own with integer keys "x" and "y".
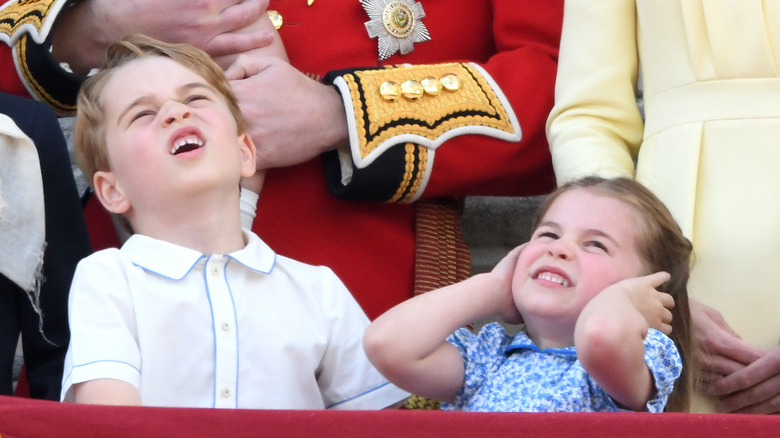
{"x": 546, "y": 234}
{"x": 596, "y": 244}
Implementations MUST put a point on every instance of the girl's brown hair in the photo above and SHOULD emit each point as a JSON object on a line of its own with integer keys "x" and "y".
{"x": 662, "y": 247}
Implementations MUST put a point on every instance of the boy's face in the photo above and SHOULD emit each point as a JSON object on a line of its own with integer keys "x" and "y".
{"x": 584, "y": 243}
{"x": 169, "y": 134}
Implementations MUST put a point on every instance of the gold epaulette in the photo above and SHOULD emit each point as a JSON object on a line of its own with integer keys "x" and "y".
{"x": 33, "y": 17}
{"x": 422, "y": 104}
{"x": 26, "y": 26}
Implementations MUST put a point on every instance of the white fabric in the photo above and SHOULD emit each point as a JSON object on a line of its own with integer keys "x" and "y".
{"x": 22, "y": 232}
{"x": 248, "y": 206}
{"x": 251, "y": 329}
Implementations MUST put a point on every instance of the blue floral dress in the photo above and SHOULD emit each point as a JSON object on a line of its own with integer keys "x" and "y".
{"x": 510, "y": 373}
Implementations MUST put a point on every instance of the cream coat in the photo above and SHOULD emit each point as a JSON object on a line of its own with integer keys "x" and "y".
{"x": 710, "y": 148}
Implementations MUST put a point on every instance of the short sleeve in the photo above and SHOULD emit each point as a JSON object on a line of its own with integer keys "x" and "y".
{"x": 346, "y": 378}
{"x": 104, "y": 339}
{"x": 665, "y": 364}
{"x": 482, "y": 354}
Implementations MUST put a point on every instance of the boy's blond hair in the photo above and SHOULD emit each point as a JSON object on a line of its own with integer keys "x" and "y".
{"x": 89, "y": 136}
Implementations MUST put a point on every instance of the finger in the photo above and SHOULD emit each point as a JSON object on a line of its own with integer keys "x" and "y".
{"x": 240, "y": 14}
{"x": 741, "y": 351}
{"x": 515, "y": 253}
{"x": 698, "y": 308}
{"x": 244, "y": 67}
{"x": 715, "y": 341}
{"x": 706, "y": 377}
{"x": 666, "y": 300}
{"x": 657, "y": 278}
{"x": 752, "y": 398}
{"x": 664, "y": 328}
{"x": 721, "y": 322}
{"x": 718, "y": 365}
{"x": 235, "y": 73}
{"x": 766, "y": 407}
{"x": 758, "y": 373}
{"x": 239, "y": 42}
{"x": 506, "y": 266}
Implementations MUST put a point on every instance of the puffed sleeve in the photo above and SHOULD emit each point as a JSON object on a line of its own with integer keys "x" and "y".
{"x": 595, "y": 126}
{"x": 454, "y": 129}
{"x": 26, "y": 31}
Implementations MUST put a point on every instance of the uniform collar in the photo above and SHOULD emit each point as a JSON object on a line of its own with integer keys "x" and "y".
{"x": 521, "y": 341}
{"x": 175, "y": 262}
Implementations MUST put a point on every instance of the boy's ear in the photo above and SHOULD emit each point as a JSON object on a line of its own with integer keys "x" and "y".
{"x": 248, "y": 158}
{"x": 109, "y": 193}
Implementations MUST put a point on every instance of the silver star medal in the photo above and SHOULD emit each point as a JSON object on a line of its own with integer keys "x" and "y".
{"x": 397, "y": 24}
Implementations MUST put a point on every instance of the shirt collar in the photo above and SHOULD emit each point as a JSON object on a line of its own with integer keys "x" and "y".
{"x": 521, "y": 341}
{"x": 173, "y": 261}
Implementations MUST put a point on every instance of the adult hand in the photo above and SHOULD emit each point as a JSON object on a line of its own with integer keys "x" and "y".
{"x": 219, "y": 27}
{"x": 291, "y": 117}
{"x": 720, "y": 350}
{"x": 754, "y": 389}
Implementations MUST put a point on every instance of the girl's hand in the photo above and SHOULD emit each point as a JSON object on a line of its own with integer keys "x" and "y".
{"x": 610, "y": 331}
{"x": 643, "y": 294}
{"x": 504, "y": 273}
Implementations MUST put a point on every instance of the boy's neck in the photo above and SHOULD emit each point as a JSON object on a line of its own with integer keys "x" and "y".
{"x": 210, "y": 226}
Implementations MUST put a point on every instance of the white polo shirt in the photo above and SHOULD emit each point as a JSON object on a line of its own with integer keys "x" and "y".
{"x": 251, "y": 329}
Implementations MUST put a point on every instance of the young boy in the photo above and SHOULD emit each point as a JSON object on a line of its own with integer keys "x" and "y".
{"x": 192, "y": 311}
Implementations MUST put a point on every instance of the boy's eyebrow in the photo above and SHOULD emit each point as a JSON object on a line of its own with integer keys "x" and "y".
{"x": 149, "y": 98}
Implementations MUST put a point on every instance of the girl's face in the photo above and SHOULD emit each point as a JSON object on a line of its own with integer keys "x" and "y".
{"x": 585, "y": 242}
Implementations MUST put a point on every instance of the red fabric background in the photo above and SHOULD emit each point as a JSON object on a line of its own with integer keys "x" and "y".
{"x": 31, "y": 418}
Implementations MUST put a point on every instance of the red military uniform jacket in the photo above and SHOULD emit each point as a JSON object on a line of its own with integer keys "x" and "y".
{"x": 368, "y": 231}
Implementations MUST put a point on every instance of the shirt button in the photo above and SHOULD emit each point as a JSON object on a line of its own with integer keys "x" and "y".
{"x": 226, "y": 392}
{"x": 214, "y": 271}
{"x": 226, "y": 326}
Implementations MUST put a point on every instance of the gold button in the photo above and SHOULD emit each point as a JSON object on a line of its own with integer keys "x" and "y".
{"x": 390, "y": 91}
{"x": 412, "y": 90}
{"x": 431, "y": 86}
{"x": 276, "y": 18}
{"x": 450, "y": 82}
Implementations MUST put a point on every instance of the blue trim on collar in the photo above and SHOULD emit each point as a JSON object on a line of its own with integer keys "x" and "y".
{"x": 175, "y": 262}
{"x": 521, "y": 341}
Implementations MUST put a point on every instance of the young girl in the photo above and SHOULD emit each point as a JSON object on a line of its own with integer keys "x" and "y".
{"x": 707, "y": 143}
{"x": 600, "y": 287}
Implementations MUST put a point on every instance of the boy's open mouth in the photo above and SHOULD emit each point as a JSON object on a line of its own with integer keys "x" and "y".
{"x": 186, "y": 144}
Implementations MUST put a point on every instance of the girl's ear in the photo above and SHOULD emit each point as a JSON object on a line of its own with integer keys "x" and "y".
{"x": 248, "y": 151}
{"x": 109, "y": 193}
